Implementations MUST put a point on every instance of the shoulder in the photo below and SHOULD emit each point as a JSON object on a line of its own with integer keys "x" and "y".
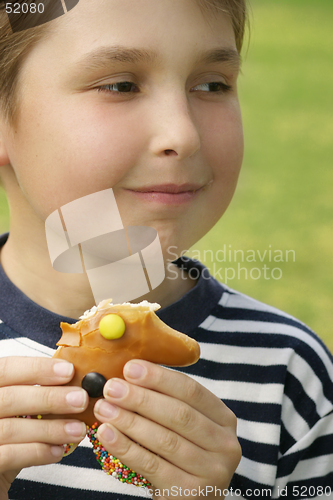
{"x": 259, "y": 324}
{"x": 236, "y": 328}
{"x": 278, "y": 348}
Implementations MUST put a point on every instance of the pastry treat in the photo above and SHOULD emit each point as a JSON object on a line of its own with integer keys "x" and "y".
{"x": 109, "y": 335}
{"x": 101, "y": 343}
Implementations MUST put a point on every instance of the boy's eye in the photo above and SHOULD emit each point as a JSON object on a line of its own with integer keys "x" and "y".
{"x": 130, "y": 87}
{"x": 119, "y": 87}
{"x": 212, "y": 87}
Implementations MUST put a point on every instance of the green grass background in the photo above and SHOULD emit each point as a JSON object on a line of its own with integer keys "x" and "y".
{"x": 284, "y": 199}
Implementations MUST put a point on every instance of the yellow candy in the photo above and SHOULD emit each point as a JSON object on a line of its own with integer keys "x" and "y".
{"x": 112, "y": 326}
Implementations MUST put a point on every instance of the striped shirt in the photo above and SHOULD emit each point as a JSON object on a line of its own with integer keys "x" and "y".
{"x": 270, "y": 369}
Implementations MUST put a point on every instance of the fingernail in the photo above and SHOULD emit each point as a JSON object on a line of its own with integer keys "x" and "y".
{"x": 106, "y": 433}
{"x": 57, "y": 451}
{"x": 116, "y": 389}
{"x": 75, "y": 429}
{"x": 77, "y": 399}
{"x": 134, "y": 370}
{"x": 105, "y": 409}
{"x": 63, "y": 369}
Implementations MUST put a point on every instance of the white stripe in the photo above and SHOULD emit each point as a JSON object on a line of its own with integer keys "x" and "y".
{"x": 258, "y": 472}
{"x": 23, "y": 346}
{"x": 243, "y": 391}
{"x": 85, "y": 443}
{"x": 258, "y": 356}
{"x": 224, "y": 299}
{"x": 258, "y": 432}
{"x": 80, "y": 478}
{"x": 241, "y": 301}
{"x": 208, "y": 322}
{"x": 293, "y": 422}
{"x": 245, "y": 326}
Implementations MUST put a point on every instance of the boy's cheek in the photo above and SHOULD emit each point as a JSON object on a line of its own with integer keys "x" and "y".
{"x": 54, "y": 169}
{"x": 222, "y": 130}
{"x": 225, "y": 148}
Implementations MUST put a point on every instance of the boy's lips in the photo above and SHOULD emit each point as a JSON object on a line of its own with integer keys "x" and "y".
{"x": 168, "y": 194}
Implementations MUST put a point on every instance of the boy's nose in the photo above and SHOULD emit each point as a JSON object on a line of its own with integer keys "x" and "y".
{"x": 174, "y": 131}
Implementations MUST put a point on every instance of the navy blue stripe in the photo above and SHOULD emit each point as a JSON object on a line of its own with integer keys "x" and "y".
{"x": 255, "y": 412}
{"x": 286, "y": 440}
{"x": 7, "y": 332}
{"x": 193, "y": 308}
{"x": 22, "y": 489}
{"x": 82, "y": 457}
{"x": 238, "y": 372}
{"x": 259, "y": 452}
{"x": 303, "y": 404}
{"x": 319, "y": 448}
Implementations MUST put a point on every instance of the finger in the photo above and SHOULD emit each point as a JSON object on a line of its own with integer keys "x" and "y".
{"x": 30, "y": 371}
{"x": 164, "y": 442}
{"x": 168, "y": 412}
{"x": 35, "y": 400}
{"x": 18, "y": 456}
{"x": 24, "y": 430}
{"x": 179, "y": 386}
{"x": 154, "y": 468}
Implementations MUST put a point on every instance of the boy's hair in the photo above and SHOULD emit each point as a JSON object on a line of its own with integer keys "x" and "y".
{"x": 14, "y": 48}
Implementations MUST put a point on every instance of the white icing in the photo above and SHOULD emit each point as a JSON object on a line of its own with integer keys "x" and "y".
{"x": 90, "y": 312}
{"x": 151, "y": 306}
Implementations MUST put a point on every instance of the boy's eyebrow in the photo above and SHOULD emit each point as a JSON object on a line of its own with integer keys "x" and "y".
{"x": 104, "y": 56}
{"x": 227, "y": 55}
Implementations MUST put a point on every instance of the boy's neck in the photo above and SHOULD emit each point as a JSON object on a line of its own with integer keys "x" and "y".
{"x": 28, "y": 266}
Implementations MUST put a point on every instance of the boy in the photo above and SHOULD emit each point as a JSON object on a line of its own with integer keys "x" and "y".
{"x": 142, "y": 97}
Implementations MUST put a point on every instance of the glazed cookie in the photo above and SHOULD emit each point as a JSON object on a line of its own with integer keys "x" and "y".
{"x": 109, "y": 335}
{"x": 101, "y": 343}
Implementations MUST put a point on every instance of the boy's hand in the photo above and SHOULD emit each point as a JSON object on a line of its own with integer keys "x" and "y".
{"x": 189, "y": 432}
{"x": 23, "y": 441}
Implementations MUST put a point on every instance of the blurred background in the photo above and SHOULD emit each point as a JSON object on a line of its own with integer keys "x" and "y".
{"x": 275, "y": 242}
{"x": 284, "y": 202}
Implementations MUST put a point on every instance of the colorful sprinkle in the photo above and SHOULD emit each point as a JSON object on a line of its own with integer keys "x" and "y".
{"x": 67, "y": 448}
{"x": 112, "y": 465}
{"x": 112, "y": 326}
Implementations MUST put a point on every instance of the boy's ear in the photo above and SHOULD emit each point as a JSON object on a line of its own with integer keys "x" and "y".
{"x": 4, "y": 158}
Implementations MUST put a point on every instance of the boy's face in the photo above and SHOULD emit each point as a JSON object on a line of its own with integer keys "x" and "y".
{"x": 149, "y": 115}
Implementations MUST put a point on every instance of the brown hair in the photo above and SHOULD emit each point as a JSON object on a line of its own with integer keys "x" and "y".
{"x": 14, "y": 48}
{"x": 238, "y": 12}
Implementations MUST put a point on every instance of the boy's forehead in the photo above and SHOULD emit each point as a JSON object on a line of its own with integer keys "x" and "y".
{"x": 133, "y": 31}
